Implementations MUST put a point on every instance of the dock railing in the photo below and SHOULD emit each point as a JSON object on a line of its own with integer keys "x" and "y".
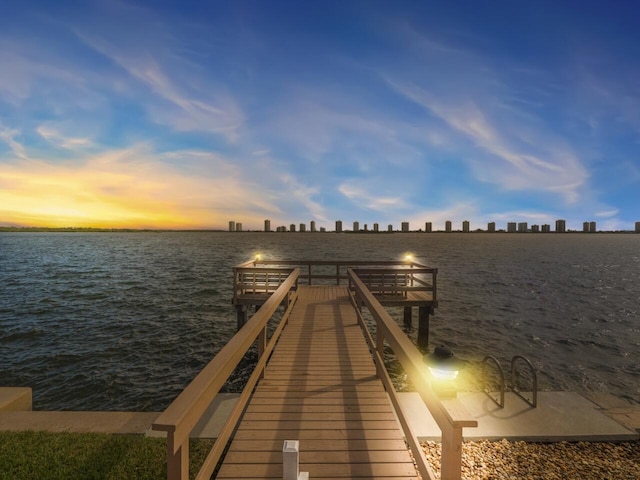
{"x": 257, "y": 279}
{"x": 179, "y": 419}
{"x": 449, "y": 414}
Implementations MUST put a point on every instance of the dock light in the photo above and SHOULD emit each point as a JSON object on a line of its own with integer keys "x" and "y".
{"x": 258, "y": 257}
{"x": 442, "y": 364}
{"x": 408, "y": 257}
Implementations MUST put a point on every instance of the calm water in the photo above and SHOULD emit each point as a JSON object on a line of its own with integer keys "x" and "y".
{"x": 125, "y": 320}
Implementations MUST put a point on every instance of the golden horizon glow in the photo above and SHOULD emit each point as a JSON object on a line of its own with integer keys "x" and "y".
{"x": 120, "y": 189}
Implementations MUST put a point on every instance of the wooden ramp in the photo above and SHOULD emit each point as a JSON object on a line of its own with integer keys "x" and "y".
{"x": 320, "y": 387}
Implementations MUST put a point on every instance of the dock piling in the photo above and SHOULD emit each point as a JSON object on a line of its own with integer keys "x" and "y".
{"x": 423, "y": 327}
{"x": 242, "y": 315}
{"x": 408, "y": 320}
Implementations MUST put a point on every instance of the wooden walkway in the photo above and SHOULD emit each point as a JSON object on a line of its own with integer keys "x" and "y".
{"x": 320, "y": 387}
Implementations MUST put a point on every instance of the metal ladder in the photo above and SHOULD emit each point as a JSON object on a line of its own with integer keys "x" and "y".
{"x": 490, "y": 360}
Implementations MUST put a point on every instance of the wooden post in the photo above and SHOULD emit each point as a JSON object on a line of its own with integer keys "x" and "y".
{"x": 451, "y": 460}
{"x": 177, "y": 460}
{"x": 423, "y": 327}
{"x": 242, "y": 315}
{"x": 408, "y": 313}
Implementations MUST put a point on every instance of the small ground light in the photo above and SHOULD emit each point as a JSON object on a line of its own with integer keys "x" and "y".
{"x": 408, "y": 257}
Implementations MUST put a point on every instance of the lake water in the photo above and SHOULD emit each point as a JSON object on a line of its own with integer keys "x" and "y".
{"x": 123, "y": 321}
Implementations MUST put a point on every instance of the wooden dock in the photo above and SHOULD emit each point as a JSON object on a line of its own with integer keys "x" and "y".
{"x": 320, "y": 378}
{"x": 320, "y": 387}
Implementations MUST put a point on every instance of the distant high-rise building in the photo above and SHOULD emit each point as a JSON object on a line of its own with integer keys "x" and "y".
{"x": 428, "y": 227}
{"x": 292, "y": 227}
{"x": 322, "y": 229}
{"x": 303, "y": 227}
{"x": 232, "y": 226}
{"x": 405, "y": 227}
{"x": 491, "y": 227}
{"x": 267, "y": 225}
{"x": 561, "y": 226}
{"x": 447, "y": 226}
{"x": 313, "y": 226}
{"x": 338, "y": 226}
{"x": 238, "y": 227}
{"x": 546, "y": 228}
{"x": 466, "y": 226}
{"x": 523, "y": 227}
{"x": 512, "y": 227}
{"x": 637, "y": 227}
{"x": 366, "y": 227}
{"x": 356, "y": 226}
{"x": 376, "y": 227}
{"x": 390, "y": 228}
{"x": 585, "y": 227}
{"x": 535, "y": 228}
{"x": 592, "y": 227}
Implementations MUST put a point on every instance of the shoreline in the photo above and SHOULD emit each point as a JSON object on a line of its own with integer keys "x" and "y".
{"x": 4, "y": 229}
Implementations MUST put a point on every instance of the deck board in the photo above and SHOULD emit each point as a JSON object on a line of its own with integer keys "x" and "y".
{"x": 320, "y": 388}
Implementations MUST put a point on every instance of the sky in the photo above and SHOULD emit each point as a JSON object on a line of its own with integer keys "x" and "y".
{"x": 185, "y": 115}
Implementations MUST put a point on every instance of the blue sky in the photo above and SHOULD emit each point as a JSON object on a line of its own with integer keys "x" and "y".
{"x": 190, "y": 114}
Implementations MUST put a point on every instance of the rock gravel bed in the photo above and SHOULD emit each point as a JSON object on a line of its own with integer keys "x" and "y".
{"x": 544, "y": 461}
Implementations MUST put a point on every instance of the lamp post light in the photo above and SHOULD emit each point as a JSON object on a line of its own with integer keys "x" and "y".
{"x": 444, "y": 368}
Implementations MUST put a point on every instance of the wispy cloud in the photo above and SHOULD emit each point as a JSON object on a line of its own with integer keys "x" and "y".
{"x": 371, "y": 200}
{"x": 607, "y": 214}
{"x": 9, "y": 137}
{"x": 304, "y": 194}
{"x": 58, "y": 139}
{"x": 328, "y": 126}
{"x": 26, "y": 66}
{"x": 184, "y": 106}
{"x": 521, "y": 169}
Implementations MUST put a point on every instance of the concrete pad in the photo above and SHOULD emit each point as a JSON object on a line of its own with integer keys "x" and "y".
{"x": 560, "y": 416}
{"x": 606, "y": 400}
{"x": 15, "y": 399}
{"x": 627, "y": 416}
{"x": 621, "y": 410}
{"x": 81, "y": 422}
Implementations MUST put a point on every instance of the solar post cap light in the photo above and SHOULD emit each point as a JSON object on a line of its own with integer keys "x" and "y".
{"x": 444, "y": 368}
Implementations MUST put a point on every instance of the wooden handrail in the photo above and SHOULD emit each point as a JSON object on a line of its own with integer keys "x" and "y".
{"x": 381, "y": 371}
{"x": 179, "y": 419}
{"x": 450, "y": 415}
{"x": 418, "y": 277}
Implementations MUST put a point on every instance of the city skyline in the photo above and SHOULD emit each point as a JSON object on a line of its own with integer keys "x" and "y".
{"x": 427, "y": 227}
{"x": 181, "y": 115}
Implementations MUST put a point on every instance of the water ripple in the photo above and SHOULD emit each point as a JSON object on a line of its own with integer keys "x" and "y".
{"x": 124, "y": 321}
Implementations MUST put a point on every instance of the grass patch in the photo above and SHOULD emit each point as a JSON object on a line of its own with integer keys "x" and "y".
{"x": 88, "y": 456}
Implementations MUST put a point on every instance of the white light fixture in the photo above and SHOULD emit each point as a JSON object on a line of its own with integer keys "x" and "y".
{"x": 442, "y": 364}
